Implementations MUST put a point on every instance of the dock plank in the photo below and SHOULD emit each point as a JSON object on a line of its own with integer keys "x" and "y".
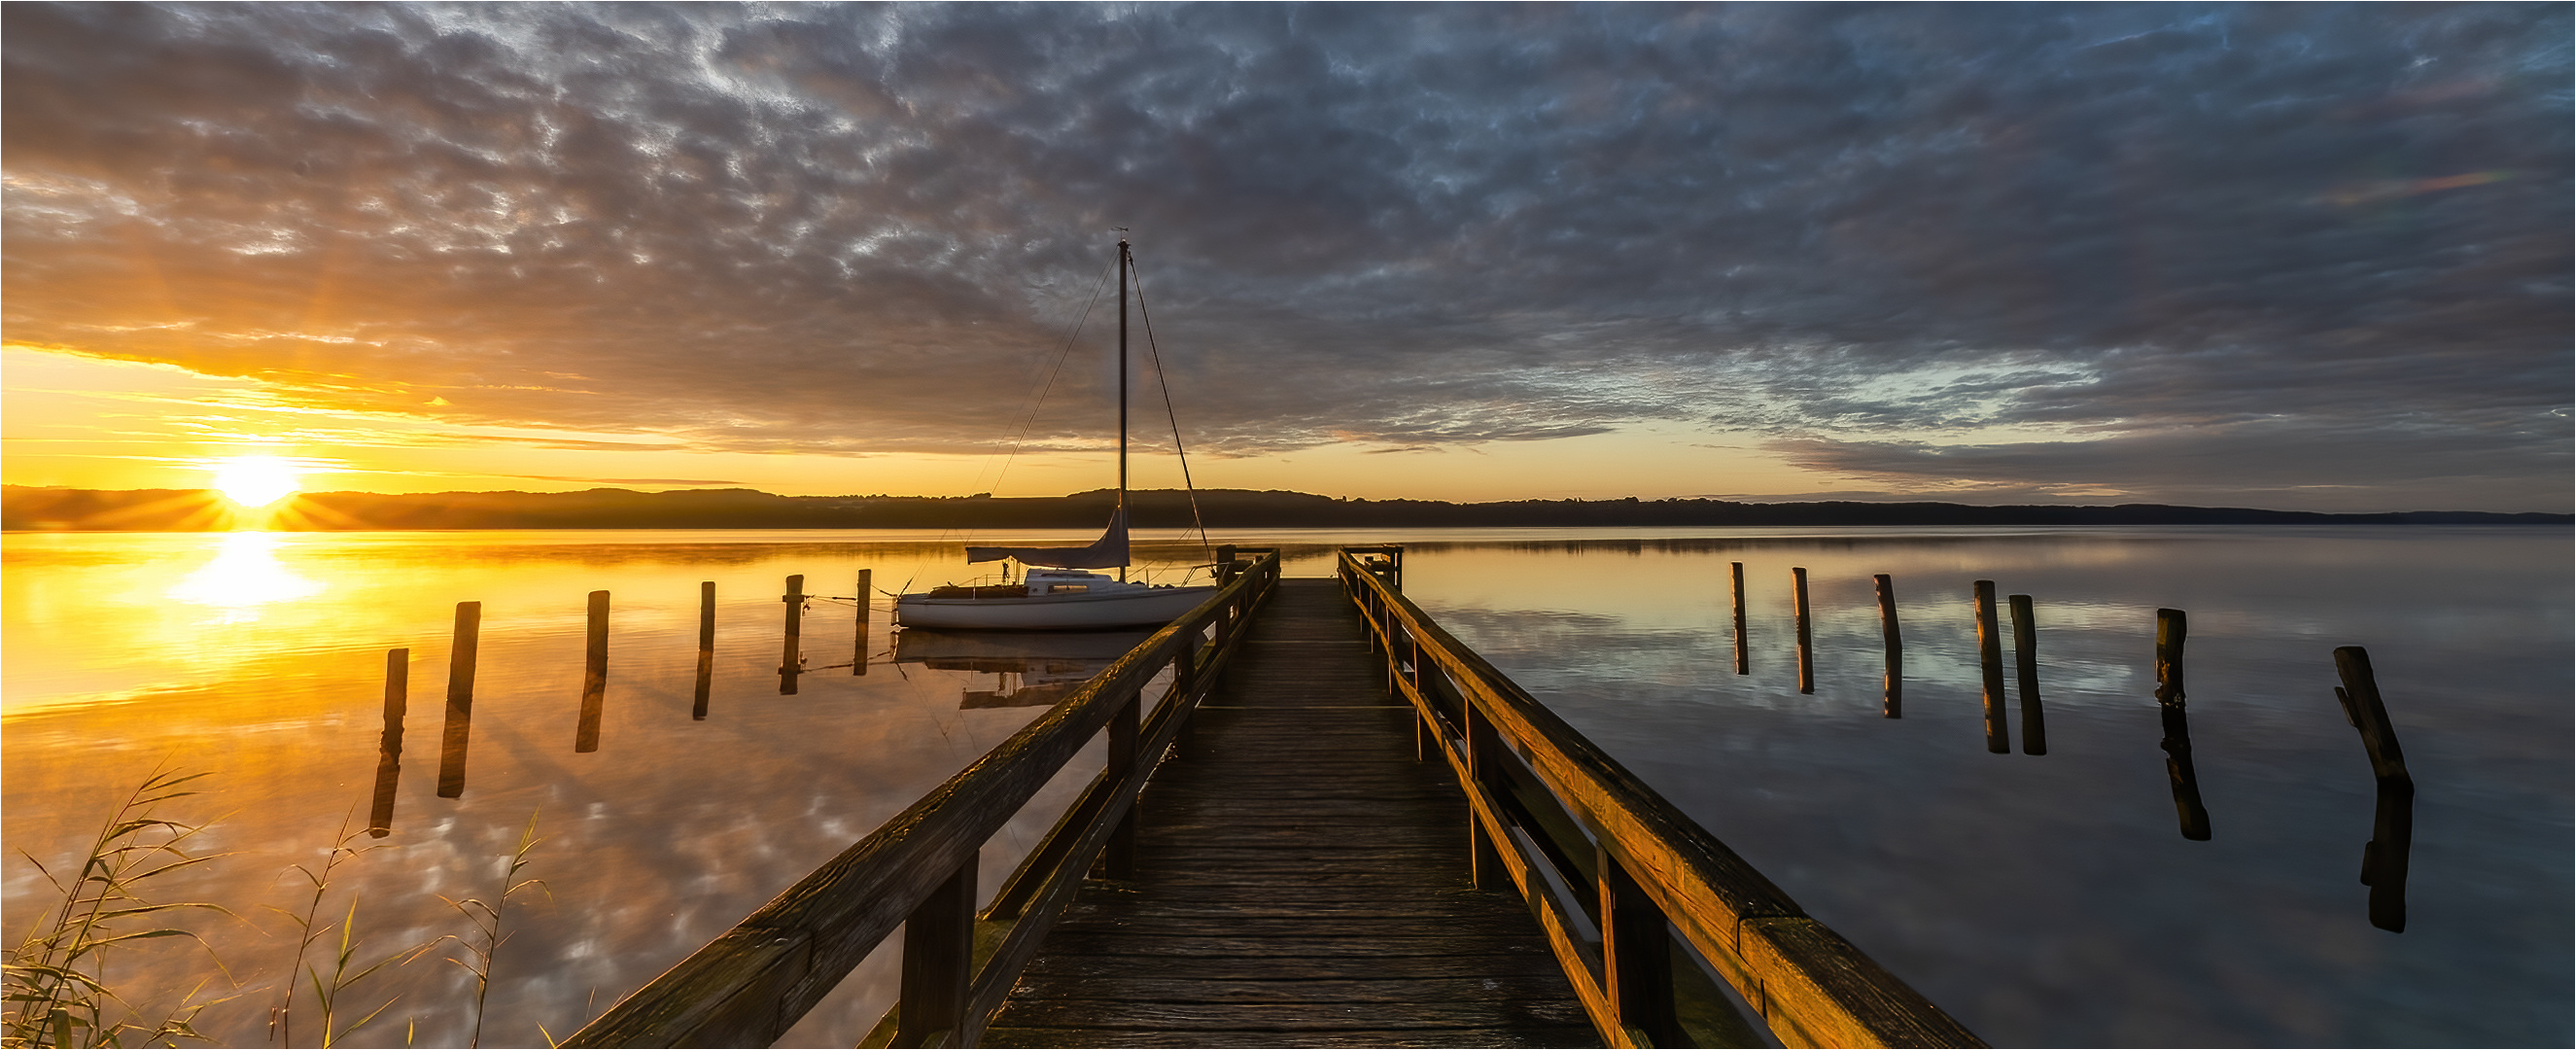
{"x": 1301, "y": 881}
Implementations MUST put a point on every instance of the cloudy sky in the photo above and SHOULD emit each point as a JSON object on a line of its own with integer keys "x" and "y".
{"x": 2294, "y": 256}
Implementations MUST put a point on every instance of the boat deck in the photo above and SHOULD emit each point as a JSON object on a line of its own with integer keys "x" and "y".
{"x": 1302, "y": 879}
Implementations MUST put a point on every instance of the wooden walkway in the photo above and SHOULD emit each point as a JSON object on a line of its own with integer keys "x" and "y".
{"x": 1301, "y": 879}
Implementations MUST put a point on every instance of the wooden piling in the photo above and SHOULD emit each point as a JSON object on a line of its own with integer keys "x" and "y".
{"x": 1806, "y": 637}
{"x": 2034, "y": 721}
{"x": 594, "y": 676}
{"x": 790, "y": 658}
{"x": 2392, "y": 833}
{"x": 1743, "y": 651}
{"x": 397, "y": 697}
{"x": 859, "y": 656}
{"x": 380, "y": 813}
{"x": 1990, "y": 660}
{"x": 1893, "y": 706}
{"x": 706, "y": 648}
{"x": 460, "y": 700}
{"x": 2171, "y": 629}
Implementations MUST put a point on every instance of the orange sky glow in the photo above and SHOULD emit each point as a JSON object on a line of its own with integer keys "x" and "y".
{"x": 83, "y": 422}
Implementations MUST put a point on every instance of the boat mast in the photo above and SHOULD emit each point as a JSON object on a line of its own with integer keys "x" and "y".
{"x": 1122, "y": 391}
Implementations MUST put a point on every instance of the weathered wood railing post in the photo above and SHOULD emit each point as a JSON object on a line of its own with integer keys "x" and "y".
{"x": 1636, "y": 959}
{"x": 1990, "y": 660}
{"x": 594, "y": 675}
{"x": 1185, "y": 679}
{"x": 791, "y": 656}
{"x": 1743, "y": 649}
{"x": 706, "y": 648}
{"x": 460, "y": 700}
{"x": 2034, "y": 722}
{"x": 938, "y": 958}
{"x": 1484, "y": 856}
{"x": 1893, "y": 706}
{"x": 2392, "y": 831}
{"x": 1806, "y": 636}
{"x": 1123, "y": 768}
{"x": 2171, "y": 629}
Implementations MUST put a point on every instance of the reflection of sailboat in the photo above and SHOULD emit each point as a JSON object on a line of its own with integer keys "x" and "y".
{"x": 1030, "y": 670}
{"x": 1053, "y": 595}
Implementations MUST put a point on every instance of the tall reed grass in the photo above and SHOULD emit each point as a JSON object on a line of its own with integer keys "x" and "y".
{"x": 56, "y": 988}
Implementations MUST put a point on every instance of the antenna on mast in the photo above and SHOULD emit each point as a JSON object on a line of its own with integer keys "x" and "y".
{"x": 1122, "y": 390}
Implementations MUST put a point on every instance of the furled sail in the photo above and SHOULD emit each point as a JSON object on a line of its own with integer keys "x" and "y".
{"x": 1108, "y": 552}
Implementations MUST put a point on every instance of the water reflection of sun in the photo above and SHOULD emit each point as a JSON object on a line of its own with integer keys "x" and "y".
{"x": 244, "y": 575}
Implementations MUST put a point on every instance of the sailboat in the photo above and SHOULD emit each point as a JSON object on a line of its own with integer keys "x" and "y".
{"x": 1055, "y": 593}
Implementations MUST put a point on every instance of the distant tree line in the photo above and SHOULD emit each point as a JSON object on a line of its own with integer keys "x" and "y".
{"x": 25, "y": 507}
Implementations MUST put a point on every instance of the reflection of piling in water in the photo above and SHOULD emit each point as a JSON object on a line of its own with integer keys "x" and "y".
{"x": 859, "y": 654}
{"x": 2170, "y": 631}
{"x": 460, "y": 700}
{"x": 1806, "y": 638}
{"x": 2034, "y": 723}
{"x": 788, "y": 657}
{"x": 380, "y": 817}
{"x": 1894, "y": 704}
{"x": 1990, "y": 659}
{"x": 2392, "y": 830}
{"x": 706, "y": 647}
{"x": 1743, "y": 651}
{"x": 594, "y": 675}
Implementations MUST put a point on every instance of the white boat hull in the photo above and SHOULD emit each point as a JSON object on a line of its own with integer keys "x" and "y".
{"x": 1051, "y": 612}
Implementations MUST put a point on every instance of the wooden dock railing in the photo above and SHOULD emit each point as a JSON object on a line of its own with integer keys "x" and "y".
{"x": 749, "y": 985}
{"x": 1605, "y": 863}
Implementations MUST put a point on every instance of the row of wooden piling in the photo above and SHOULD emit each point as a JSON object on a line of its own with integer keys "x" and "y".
{"x": 2384, "y": 858}
{"x": 463, "y": 657}
{"x": 2025, "y": 635}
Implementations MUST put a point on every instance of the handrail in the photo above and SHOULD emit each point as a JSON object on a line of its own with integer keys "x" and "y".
{"x": 917, "y": 871}
{"x": 1560, "y": 816}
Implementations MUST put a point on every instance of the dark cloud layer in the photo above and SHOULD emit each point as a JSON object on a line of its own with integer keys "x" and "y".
{"x": 2213, "y": 249}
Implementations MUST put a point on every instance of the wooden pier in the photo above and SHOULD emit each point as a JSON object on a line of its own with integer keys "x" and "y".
{"x": 1338, "y": 826}
{"x": 1298, "y": 879}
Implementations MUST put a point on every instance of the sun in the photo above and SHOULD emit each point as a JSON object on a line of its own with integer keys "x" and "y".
{"x": 256, "y": 481}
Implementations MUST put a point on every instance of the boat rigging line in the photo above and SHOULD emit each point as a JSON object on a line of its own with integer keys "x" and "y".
{"x": 1027, "y": 420}
{"x": 1164, "y": 377}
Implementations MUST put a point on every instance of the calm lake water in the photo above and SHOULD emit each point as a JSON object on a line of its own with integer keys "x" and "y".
{"x": 2041, "y": 899}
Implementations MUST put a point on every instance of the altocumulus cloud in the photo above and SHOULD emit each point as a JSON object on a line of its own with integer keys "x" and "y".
{"x": 2235, "y": 252}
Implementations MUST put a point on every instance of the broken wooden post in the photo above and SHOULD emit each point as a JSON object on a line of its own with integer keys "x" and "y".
{"x": 594, "y": 676}
{"x": 2392, "y": 833}
{"x": 706, "y": 648}
{"x": 859, "y": 656}
{"x": 2034, "y": 722}
{"x": 460, "y": 700}
{"x": 1990, "y": 660}
{"x": 1893, "y": 706}
{"x": 380, "y": 816}
{"x": 1743, "y": 652}
{"x": 790, "y": 659}
{"x": 1806, "y": 637}
{"x": 2171, "y": 628}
